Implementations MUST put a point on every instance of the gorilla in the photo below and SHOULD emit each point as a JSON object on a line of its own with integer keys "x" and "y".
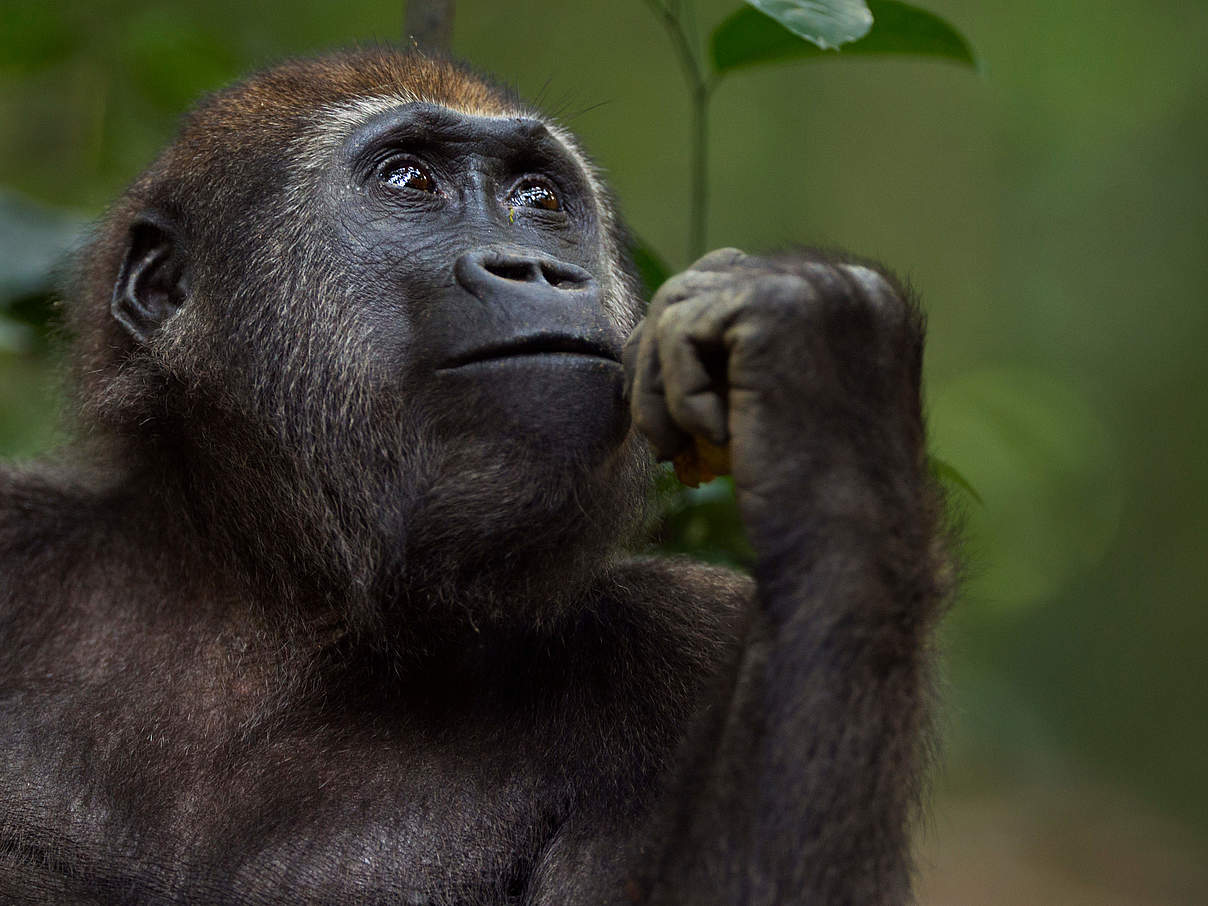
{"x": 340, "y": 595}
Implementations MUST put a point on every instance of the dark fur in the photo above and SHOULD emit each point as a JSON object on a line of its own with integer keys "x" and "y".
{"x": 273, "y": 635}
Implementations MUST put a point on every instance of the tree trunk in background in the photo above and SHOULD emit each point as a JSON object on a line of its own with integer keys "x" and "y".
{"x": 429, "y": 24}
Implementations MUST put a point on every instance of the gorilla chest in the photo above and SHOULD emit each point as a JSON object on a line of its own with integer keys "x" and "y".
{"x": 419, "y": 829}
{"x": 294, "y": 821}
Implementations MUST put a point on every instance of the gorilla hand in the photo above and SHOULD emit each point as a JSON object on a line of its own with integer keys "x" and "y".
{"x": 805, "y": 368}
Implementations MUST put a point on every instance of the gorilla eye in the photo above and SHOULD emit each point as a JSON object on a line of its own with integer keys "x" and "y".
{"x": 536, "y": 195}
{"x": 408, "y": 176}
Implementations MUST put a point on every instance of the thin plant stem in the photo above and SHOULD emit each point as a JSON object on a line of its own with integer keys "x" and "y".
{"x": 701, "y": 89}
{"x": 700, "y": 172}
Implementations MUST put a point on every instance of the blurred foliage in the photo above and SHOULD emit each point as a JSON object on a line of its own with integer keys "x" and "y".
{"x": 1047, "y": 468}
{"x": 34, "y": 242}
{"x": 702, "y": 521}
{"x": 1053, "y": 216}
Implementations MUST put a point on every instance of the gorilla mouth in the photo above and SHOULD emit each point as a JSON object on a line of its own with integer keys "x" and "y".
{"x": 544, "y": 345}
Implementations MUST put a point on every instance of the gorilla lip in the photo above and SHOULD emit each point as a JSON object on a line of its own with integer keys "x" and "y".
{"x": 538, "y": 345}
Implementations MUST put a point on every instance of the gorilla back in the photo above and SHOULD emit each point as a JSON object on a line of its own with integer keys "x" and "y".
{"x": 331, "y": 602}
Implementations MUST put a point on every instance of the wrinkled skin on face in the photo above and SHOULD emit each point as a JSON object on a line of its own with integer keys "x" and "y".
{"x": 335, "y": 598}
{"x": 476, "y": 243}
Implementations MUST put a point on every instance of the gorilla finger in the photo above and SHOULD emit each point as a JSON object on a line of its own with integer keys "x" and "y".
{"x": 719, "y": 260}
{"x": 701, "y": 414}
{"x": 647, "y": 401}
{"x": 684, "y": 286}
{"x": 695, "y": 397}
{"x": 707, "y": 319}
{"x": 652, "y": 418}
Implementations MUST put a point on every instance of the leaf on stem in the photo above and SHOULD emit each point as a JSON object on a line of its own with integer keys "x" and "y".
{"x": 749, "y": 37}
{"x": 826, "y": 23}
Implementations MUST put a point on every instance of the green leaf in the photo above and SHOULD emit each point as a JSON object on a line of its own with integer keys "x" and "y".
{"x": 748, "y": 38}
{"x": 826, "y": 23}
{"x": 651, "y": 268}
{"x": 948, "y": 473}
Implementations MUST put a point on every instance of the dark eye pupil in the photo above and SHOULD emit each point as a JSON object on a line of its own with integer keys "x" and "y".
{"x": 409, "y": 176}
{"x": 538, "y": 197}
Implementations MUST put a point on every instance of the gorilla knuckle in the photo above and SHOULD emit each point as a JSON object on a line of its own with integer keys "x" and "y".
{"x": 720, "y": 260}
{"x": 782, "y": 298}
{"x": 872, "y": 284}
{"x": 876, "y": 292}
{"x": 686, "y": 285}
{"x": 845, "y": 291}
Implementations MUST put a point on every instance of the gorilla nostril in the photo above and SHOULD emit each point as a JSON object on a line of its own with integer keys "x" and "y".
{"x": 564, "y": 276}
{"x": 514, "y": 269}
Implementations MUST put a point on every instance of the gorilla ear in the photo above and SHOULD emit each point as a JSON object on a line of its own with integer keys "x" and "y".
{"x": 150, "y": 286}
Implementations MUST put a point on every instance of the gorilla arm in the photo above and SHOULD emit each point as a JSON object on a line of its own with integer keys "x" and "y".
{"x": 808, "y": 369}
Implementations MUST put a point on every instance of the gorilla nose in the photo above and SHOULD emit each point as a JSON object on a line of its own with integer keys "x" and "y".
{"x": 488, "y": 272}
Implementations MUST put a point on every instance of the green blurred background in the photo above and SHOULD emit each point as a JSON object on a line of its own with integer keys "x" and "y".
{"x": 1051, "y": 211}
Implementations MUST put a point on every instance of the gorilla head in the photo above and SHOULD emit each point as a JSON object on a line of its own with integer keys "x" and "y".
{"x": 364, "y": 319}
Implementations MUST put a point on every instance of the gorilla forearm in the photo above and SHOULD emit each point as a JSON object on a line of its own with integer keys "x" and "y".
{"x": 808, "y": 793}
{"x": 808, "y": 368}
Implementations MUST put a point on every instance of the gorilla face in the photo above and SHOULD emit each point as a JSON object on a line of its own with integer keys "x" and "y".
{"x": 474, "y": 246}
